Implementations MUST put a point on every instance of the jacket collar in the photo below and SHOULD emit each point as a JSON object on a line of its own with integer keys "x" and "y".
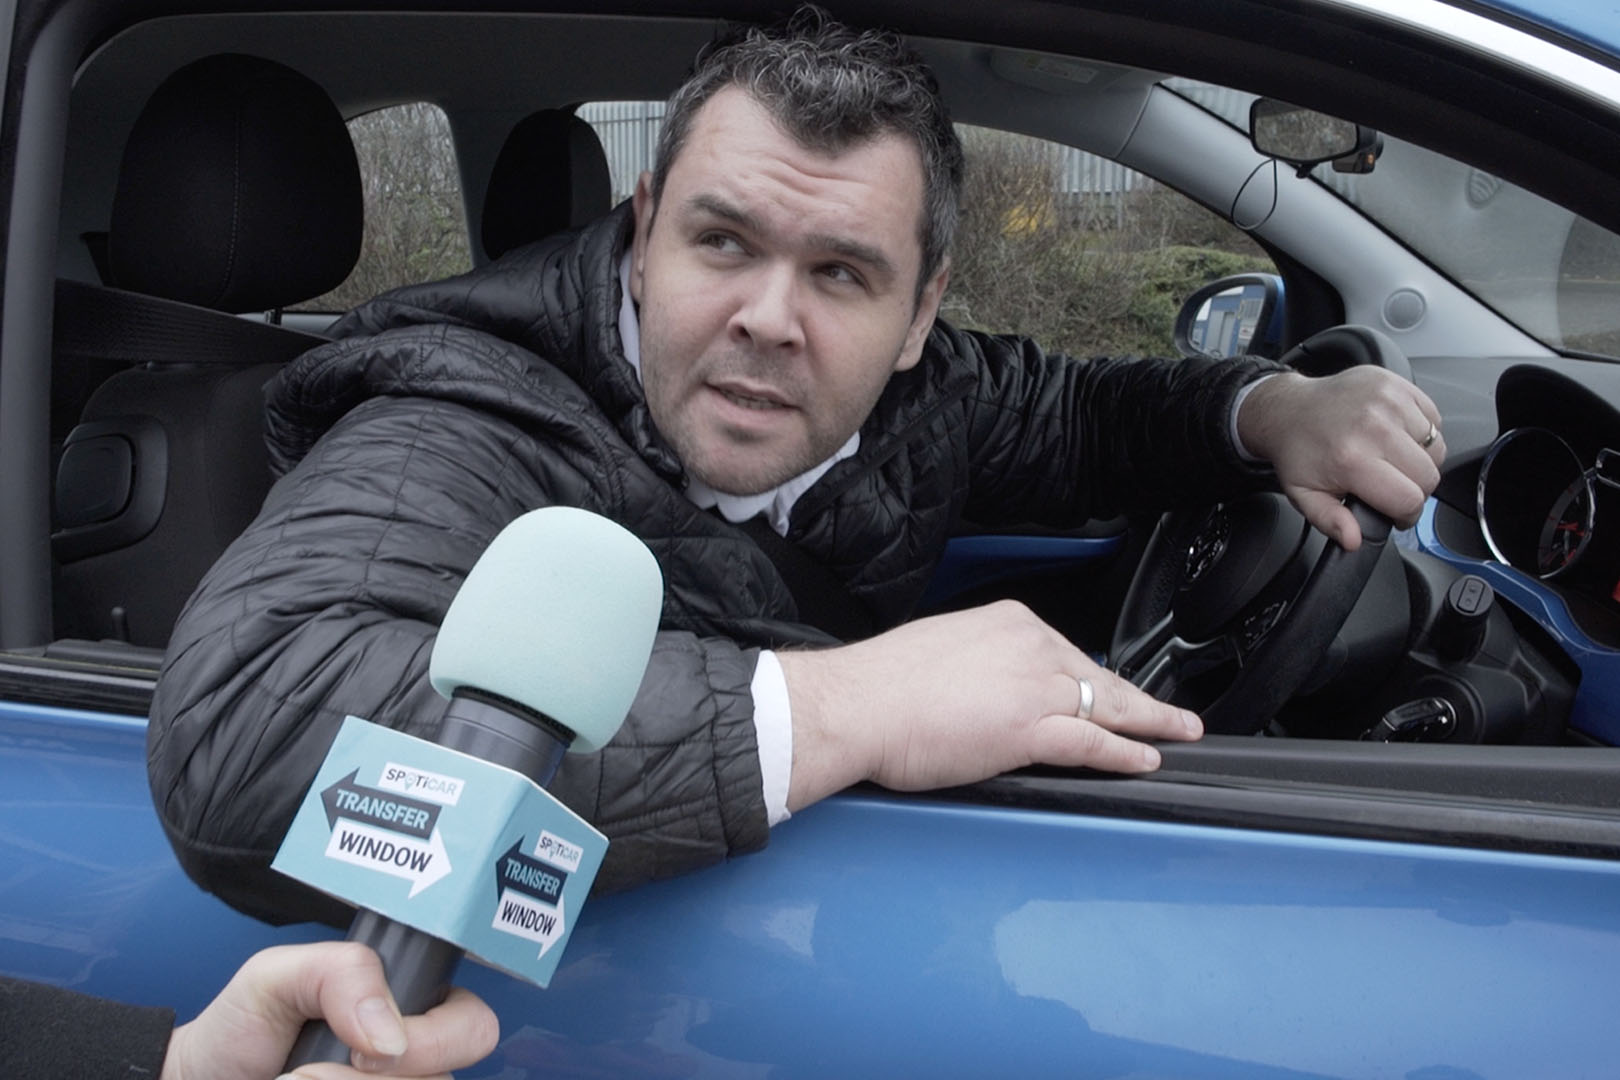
{"x": 595, "y": 355}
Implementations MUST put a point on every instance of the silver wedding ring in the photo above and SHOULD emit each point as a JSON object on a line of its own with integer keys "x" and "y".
{"x": 1428, "y": 440}
{"x": 1088, "y": 697}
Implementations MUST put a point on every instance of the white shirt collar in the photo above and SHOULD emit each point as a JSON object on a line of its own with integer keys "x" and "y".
{"x": 777, "y": 503}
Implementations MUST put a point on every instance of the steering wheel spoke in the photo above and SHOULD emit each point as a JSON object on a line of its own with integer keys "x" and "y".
{"x": 1181, "y": 621}
{"x": 1161, "y": 660}
{"x": 1249, "y": 635}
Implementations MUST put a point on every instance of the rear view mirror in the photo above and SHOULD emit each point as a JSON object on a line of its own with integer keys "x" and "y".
{"x": 1305, "y": 138}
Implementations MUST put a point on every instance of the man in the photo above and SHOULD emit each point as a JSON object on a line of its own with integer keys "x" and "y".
{"x": 754, "y": 335}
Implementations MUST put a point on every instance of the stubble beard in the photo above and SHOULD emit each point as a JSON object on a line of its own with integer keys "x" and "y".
{"x": 733, "y": 468}
{"x": 738, "y": 469}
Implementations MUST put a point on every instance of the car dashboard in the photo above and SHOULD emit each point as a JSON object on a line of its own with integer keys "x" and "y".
{"x": 1535, "y": 512}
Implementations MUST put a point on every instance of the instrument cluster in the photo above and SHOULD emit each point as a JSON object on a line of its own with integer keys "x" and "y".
{"x": 1551, "y": 511}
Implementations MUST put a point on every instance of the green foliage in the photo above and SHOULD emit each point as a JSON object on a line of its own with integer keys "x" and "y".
{"x": 1099, "y": 273}
{"x": 415, "y": 227}
{"x": 1169, "y": 276}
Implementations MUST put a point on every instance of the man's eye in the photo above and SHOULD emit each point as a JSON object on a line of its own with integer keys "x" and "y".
{"x": 841, "y": 273}
{"x": 722, "y": 242}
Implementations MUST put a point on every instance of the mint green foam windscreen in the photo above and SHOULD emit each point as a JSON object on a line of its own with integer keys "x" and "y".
{"x": 558, "y": 615}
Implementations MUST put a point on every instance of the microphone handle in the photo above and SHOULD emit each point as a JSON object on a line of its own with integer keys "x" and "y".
{"x": 419, "y": 966}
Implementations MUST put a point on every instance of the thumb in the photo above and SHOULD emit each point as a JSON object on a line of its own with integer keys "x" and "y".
{"x": 1328, "y": 516}
{"x": 247, "y": 1030}
{"x": 340, "y": 981}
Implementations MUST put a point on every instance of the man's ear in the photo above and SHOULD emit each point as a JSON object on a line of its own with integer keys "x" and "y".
{"x": 645, "y": 208}
{"x": 922, "y": 320}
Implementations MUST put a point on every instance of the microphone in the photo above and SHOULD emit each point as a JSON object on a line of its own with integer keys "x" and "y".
{"x": 540, "y": 653}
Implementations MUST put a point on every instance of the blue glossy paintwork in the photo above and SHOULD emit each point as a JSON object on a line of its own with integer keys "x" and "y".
{"x": 896, "y": 937}
{"x": 1597, "y": 699}
{"x": 89, "y": 892}
{"x": 1277, "y": 329}
{"x": 1596, "y": 22}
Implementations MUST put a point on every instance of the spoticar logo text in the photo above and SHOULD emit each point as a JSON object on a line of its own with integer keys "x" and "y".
{"x": 435, "y": 787}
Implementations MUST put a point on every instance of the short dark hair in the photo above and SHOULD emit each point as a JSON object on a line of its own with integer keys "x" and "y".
{"x": 830, "y": 87}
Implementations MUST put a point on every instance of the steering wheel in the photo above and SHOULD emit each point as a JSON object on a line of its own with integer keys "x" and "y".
{"x": 1246, "y": 593}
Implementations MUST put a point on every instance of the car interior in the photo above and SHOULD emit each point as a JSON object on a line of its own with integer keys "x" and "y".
{"x": 208, "y": 186}
{"x": 178, "y": 428}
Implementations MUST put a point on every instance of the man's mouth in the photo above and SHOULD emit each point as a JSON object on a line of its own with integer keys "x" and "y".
{"x": 748, "y": 401}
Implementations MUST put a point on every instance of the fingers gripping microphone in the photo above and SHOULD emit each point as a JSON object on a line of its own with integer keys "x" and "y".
{"x": 541, "y": 652}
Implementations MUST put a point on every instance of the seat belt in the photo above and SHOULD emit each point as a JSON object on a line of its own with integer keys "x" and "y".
{"x": 99, "y": 322}
{"x": 824, "y": 601}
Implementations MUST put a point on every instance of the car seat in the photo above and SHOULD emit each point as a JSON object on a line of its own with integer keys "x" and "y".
{"x": 550, "y": 175}
{"x": 238, "y": 191}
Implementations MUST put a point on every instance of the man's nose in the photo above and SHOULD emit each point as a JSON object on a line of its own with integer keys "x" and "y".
{"x": 769, "y": 315}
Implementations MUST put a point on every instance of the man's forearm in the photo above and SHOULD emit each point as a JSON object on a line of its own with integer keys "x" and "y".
{"x": 957, "y": 698}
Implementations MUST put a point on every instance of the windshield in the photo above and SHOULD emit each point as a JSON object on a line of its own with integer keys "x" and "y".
{"x": 1552, "y": 273}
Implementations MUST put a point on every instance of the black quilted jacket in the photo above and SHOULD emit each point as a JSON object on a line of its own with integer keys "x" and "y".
{"x": 447, "y": 409}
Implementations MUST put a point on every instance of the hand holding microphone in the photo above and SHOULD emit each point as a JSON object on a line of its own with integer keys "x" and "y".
{"x": 541, "y": 652}
{"x": 245, "y": 1032}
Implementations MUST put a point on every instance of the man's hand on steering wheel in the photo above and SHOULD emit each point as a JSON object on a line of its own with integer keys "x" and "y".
{"x": 1364, "y": 432}
{"x": 1214, "y": 586}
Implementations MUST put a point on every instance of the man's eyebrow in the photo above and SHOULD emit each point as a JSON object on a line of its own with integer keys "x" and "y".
{"x": 844, "y": 247}
{"x": 855, "y": 251}
{"x": 713, "y": 204}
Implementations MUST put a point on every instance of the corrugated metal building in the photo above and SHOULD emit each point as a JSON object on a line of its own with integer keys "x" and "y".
{"x": 629, "y": 134}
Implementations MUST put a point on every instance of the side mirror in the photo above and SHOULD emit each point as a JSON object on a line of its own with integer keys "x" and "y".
{"x": 1305, "y": 138}
{"x": 1235, "y": 316}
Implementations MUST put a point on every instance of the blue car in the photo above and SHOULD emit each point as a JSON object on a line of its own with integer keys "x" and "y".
{"x": 1400, "y": 860}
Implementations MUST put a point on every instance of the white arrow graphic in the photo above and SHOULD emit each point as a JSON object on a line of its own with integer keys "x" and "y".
{"x": 527, "y": 917}
{"x": 421, "y": 862}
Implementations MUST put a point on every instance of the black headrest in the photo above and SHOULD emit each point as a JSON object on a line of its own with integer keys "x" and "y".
{"x": 551, "y": 175}
{"x": 238, "y": 190}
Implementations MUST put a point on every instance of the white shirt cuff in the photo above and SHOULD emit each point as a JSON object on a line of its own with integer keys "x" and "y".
{"x": 773, "y": 729}
{"x": 1237, "y": 404}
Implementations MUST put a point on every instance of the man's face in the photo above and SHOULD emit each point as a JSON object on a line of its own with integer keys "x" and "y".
{"x": 778, "y": 293}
